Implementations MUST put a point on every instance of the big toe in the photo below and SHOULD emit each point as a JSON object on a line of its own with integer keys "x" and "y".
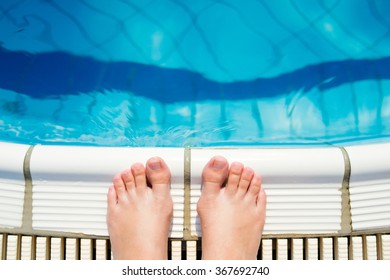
{"x": 158, "y": 174}
{"x": 214, "y": 175}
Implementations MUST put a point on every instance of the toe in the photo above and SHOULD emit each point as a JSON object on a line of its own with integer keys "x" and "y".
{"x": 235, "y": 172}
{"x": 245, "y": 180}
{"x": 261, "y": 200}
{"x": 119, "y": 186}
{"x": 214, "y": 175}
{"x": 158, "y": 174}
{"x": 139, "y": 175}
{"x": 112, "y": 204}
{"x": 254, "y": 188}
{"x": 128, "y": 179}
{"x": 112, "y": 198}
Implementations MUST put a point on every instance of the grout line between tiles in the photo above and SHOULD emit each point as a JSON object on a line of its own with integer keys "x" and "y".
{"x": 346, "y": 216}
{"x": 187, "y": 235}
{"x": 379, "y": 248}
{"x": 27, "y": 204}
{"x": 3, "y": 252}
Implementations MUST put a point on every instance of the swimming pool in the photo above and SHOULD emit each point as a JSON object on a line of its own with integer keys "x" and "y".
{"x": 301, "y": 93}
{"x": 210, "y": 73}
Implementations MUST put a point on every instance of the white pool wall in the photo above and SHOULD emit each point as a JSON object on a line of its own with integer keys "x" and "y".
{"x": 307, "y": 188}
{"x": 370, "y": 186}
{"x": 70, "y": 185}
{"x": 302, "y": 186}
{"x": 12, "y": 184}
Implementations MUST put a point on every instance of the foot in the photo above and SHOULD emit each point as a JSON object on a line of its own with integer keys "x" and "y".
{"x": 139, "y": 216}
{"x": 231, "y": 210}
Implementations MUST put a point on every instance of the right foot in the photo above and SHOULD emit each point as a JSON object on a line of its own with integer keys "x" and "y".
{"x": 139, "y": 216}
{"x": 232, "y": 216}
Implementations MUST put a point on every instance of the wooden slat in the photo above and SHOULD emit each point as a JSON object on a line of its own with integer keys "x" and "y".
{"x": 41, "y": 250}
{"x": 342, "y": 248}
{"x": 86, "y": 249}
{"x": 312, "y": 249}
{"x": 176, "y": 250}
{"x": 386, "y": 246}
{"x": 371, "y": 252}
{"x": 12, "y": 241}
{"x": 55, "y": 248}
{"x": 191, "y": 250}
{"x": 2, "y": 252}
{"x": 326, "y": 248}
{"x": 357, "y": 248}
{"x": 71, "y": 248}
{"x": 282, "y": 249}
{"x": 297, "y": 249}
{"x": 26, "y": 247}
{"x": 267, "y": 249}
{"x": 101, "y": 249}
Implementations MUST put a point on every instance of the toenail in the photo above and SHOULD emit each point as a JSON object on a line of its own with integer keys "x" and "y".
{"x": 117, "y": 177}
{"x": 137, "y": 166}
{"x": 155, "y": 166}
{"x": 236, "y": 167}
{"x": 126, "y": 173}
{"x": 218, "y": 164}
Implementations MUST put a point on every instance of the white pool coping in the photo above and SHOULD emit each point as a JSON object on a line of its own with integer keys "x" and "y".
{"x": 320, "y": 190}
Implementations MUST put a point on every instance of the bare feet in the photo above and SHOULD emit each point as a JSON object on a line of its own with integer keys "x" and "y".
{"x": 139, "y": 216}
{"x": 232, "y": 216}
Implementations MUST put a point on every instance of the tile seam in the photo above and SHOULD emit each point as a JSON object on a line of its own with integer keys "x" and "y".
{"x": 187, "y": 235}
{"x": 346, "y": 216}
{"x": 3, "y": 251}
{"x": 27, "y": 204}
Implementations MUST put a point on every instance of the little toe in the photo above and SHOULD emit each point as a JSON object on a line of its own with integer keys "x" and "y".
{"x": 112, "y": 198}
{"x": 214, "y": 175}
{"x": 261, "y": 200}
{"x": 139, "y": 174}
{"x": 245, "y": 180}
{"x": 158, "y": 174}
{"x": 235, "y": 171}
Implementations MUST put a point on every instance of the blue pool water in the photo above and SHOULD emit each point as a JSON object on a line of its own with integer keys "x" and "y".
{"x": 198, "y": 73}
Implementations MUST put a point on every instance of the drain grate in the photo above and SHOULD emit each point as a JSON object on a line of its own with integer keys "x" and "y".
{"x": 353, "y": 247}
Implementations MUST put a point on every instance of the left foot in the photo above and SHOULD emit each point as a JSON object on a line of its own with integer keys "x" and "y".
{"x": 139, "y": 216}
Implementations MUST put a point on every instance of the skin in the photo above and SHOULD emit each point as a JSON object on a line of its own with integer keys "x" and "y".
{"x": 232, "y": 216}
{"x": 139, "y": 216}
{"x": 231, "y": 210}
